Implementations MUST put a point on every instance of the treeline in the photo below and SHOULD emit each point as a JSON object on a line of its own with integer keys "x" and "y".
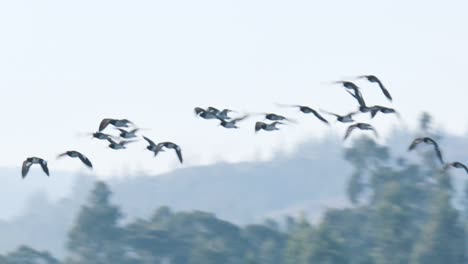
{"x": 403, "y": 212}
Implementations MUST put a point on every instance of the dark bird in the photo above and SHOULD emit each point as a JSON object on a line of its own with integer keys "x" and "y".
{"x": 169, "y": 145}
{"x": 360, "y": 99}
{"x": 231, "y": 123}
{"x": 361, "y": 126}
{"x": 223, "y": 114}
{"x": 382, "y": 109}
{"x": 33, "y": 160}
{"x": 307, "y": 110}
{"x": 151, "y": 145}
{"x": 76, "y": 154}
{"x": 128, "y": 134}
{"x": 373, "y": 79}
{"x": 429, "y": 141}
{"x": 457, "y": 165}
{"x": 101, "y": 136}
{"x": 342, "y": 118}
{"x": 118, "y": 145}
{"x": 115, "y": 122}
{"x": 267, "y": 127}
{"x": 204, "y": 113}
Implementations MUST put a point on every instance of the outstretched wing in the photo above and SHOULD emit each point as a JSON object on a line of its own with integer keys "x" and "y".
{"x": 384, "y": 90}
{"x": 198, "y": 110}
{"x": 85, "y": 160}
{"x": 414, "y": 143}
{"x": 44, "y": 167}
{"x": 62, "y": 155}
{"x": 212, "y": 109}
{"x": 258, "y": 126}
{"x": 438, "y": 153}
{"x": 329, "y": 113}
{"x": 179, "y": 153}
{"x": 348, "y": 131}
{"x": 316, "y": 114}
{"x": 25, "y": 168}
{"x": 149, "y": 141}
{"x": 461, "y": 165}
{"x": 104, "y": 123}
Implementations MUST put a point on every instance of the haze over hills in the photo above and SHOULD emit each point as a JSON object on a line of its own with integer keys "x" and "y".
{"x": 309, "y": 180}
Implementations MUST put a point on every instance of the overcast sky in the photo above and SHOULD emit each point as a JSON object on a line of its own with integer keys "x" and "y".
{"x": 65, "y": 65}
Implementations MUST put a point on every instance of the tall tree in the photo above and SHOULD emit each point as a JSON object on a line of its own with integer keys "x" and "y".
{"x": 96, "y": 236}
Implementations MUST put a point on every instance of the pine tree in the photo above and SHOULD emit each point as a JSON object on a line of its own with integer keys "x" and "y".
{"x": 96, "y": 237}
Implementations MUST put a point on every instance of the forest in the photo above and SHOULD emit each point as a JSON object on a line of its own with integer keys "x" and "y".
{"x": 401, "y": 211}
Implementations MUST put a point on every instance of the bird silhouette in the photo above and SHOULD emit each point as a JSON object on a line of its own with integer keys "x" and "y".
{"x": 169, "y": 145}
{"x": 307, "y": 110}
{"x": 267, "y": 127}
{"x": 429, "y": 141}
{"x": 457, "y": 165}
{"x": 115, "y": 122}
{"x": 361, "y": 126}
{"x": 342, "y": 118}
{"x": 76, "y": 154}
{"x": 33, "y": 160}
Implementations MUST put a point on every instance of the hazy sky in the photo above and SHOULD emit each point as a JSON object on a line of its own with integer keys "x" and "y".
{"x": 65, "y": 65}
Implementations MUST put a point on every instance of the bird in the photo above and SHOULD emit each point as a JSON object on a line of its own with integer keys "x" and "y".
{"x": 429, "y": 141}
{"x": 76, "y": 154}
{"x": 221, "y": 114}
{"x": 115, "y": 122}
{"x": 267, "y": 127}
{"x": 169, "y": 145}
{"x": 151, "y": 145}
{"x": 385, "y": 110}
{"x": 118, "y": 145}
{"x": 457, "y": 165}
{"x": 361, "y": 126}
{"x": 373, "y": 79}
{"x": 100, "y": 135}
{"x": 360, "y": 99}
{"x": 33, "y": 160}
{"x": 307, "y": 110}
{"x": 128, "y": 134}
{"x": 204, "y": 113}
{"x": 231, "y": 123}
{"x": 342, "y": 118}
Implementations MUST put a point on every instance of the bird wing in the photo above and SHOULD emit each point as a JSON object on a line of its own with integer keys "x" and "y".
{"x": 85, "y": 160}
{"x": 439, "y": 153}
{"x": 25, "y": 168}
{"x": 104, "y": 123}
{"x": 62, "y": 155}
{"x": 179, "y": 153}
{"x": 463, "y": 166}
{"x": 384, "y": 90}
{"x": 329, "y": 113}
{"x": 258, "y": 126}
{"x": 374, "y": 130}
{"x": 111, "y": 141}
{"x": 414, "y": 143}
{"x": 198, "y": 110}
{"x": 349, "y": 130}
{"x": 212, "y": 109}
{"x": 149, "y": 141}
{"x": 44, "y": 166}
{"x": 316, "y": 114}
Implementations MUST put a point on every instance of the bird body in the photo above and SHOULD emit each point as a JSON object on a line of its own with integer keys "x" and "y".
{"x": 308, "y": 110}
{"x": 101, "y": 136}
{"x": 128, "y": 134}
{"x": 267, "y": 127}
{"x": 76, "y": 154}
{"x": 361, "y": 126}
{"x": 231, "y": 123}
{"x": 169, "y": 145}
{"x": 33, "y": 160}
{"x": 429, "y": 141}
{"x": 118, "y": 145}
{"x": 115, "y": 122}
{"x": 204, "y": 113}
{"x": 342, "y": 118}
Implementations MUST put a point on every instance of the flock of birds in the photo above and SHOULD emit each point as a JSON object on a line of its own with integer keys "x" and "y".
{"x": 129, "y": 132}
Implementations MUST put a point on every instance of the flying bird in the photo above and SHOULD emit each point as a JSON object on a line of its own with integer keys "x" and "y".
{"x": 382, "y": 109}
{"x": 128, "y": 134}
{"x": 115, "y": 122}
{"x": 342, "y": 118}
{"x": 307, "y": 110}
{"x": 373, "y": 79}
{"x": 169, "y": 145}
{"x": 221, "y": 114}
{"x": 100, "y": 135}
{"x": 118, "y": 145}
{"x": 457, "y": 165}
{"x": 76, "y": 154}
{"x": 33, "y": 160}
{"x": 204, "y": 113}
{"x": 231, "y": 123}
{"x": 429, "y": 141}
{"x": 267, "y": 127}
{"x": 361, "y": 126}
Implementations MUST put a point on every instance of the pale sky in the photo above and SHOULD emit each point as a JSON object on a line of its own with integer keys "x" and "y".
{"x": 65, "y": 65}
